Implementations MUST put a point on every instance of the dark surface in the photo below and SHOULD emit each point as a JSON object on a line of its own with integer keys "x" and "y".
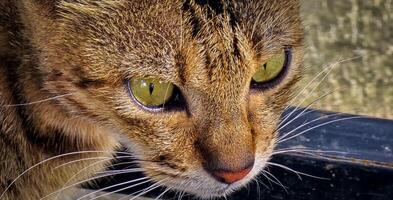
{"x": 345, "y": 181}
{"x": 356, "y": 137}
{"x": 352, "y": 154}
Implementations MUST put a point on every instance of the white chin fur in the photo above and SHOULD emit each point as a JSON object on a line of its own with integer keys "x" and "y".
{"x": 204, "y": 186}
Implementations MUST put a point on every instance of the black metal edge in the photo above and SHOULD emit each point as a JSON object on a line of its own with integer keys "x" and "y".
{"x": 353, "y": 152}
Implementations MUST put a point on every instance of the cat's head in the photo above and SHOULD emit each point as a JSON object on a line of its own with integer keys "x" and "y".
{"x": 195, "y": 87}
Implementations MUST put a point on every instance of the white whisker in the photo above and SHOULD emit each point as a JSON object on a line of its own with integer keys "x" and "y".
{"x": 181, "y": 195}
{"x": 154, "y": 186}
{"x": 81, "y": 160}
{"x": 320, "y": 125}
{"x": 50, "y": 159}
{"x": 112, "y": 172}
{"x": 162, "y": 194}
{"x": 74, "y": 176}
{"x": 328, "y": 70}
{"x": 37, "y": 102}
{"x": 266, "y": 174}
{"x": 296, "y": 172}
{"x": 309, "y": 84}
{"x": 108, "y": 173}
{"x": 304, "y": 111}
{"x": 305, "y": 124}
{"x": 304, "y": 150}
{"x": 113, "y": 186}
{"x": 276, "y": 179}
{"x": 258, "y": 188}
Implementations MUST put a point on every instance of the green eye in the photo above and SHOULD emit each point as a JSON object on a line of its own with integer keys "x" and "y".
{"x": 151, "y": 92}
{"x": 271, "y": 69}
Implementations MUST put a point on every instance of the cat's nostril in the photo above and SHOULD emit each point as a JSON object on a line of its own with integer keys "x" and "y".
{"x": 229, "y": 169}
{"x": 231, "y": 177}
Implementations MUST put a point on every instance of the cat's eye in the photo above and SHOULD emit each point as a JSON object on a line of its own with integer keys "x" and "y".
{"x": 272, "y": 71}
{"x": 153, "y": 94}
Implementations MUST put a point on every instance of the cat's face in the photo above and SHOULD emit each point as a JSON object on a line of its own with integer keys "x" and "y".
{"x": 217, "y": 133}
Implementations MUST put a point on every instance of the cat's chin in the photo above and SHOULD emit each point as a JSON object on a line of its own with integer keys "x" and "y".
{"x": 204, "y": 192}
{"x": 210, "y": 189}
{"x": 199, "y": 182}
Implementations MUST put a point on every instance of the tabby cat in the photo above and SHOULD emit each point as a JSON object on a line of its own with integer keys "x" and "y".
{"x": 193, "y": 89}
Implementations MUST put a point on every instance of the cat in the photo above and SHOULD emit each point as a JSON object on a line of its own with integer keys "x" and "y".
{"x": 193, "y": 89}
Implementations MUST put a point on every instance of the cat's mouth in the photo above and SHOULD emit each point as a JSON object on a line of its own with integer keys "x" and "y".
{"x": 196, "y": 181}
{"x": 201, "y": 184}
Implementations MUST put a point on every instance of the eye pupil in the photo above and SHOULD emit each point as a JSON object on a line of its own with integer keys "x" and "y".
{"x": 151, "y": 88}
{"x": 271, "y": 71}
{"x": 151, "y": 93}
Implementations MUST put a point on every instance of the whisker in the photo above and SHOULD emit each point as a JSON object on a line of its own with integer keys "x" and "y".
{"x": 162, "y": 194}
{"x": 307, "y": 123}
{"x": 74, "y": 176}
{"x": 261, "y": 182}
{"x": 328, "y": 70}
{"x": 154, "y": 186}
{"x": 50, "y": 159}
{"x": 225, "y": 197}
{"x": 265, "y": 174}
{"x": 278, "y": 182}
{"x": 148, "y": 190}
{"x": 95, "y": 163}
{"x": 320, "y": 125}
{"x": 90, "y": 179}
{"x": 166, "y": 93}
{"x": 181, "y": 195}
{"x": 118, "y": 171}
{"x": 81, "y": 160}
{"x": 304, "y": 150}
{"x": 113, "y": 186}
{"x": 296, "y": 172}
{"x": 124, "y": 163}
{"x": 304, "y": 111}
{"x": 258, "y": 188}
{"x": 316, "y": 155}
{"x": 37, "y": 102}
{"x": 126, "y": 188}
{"x": 309, "y": 84}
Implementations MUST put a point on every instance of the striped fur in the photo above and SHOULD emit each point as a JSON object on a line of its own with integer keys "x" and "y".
{"x": 63, "y": 64}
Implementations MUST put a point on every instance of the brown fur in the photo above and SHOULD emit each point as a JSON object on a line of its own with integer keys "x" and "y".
{"x": 84, "y": 50}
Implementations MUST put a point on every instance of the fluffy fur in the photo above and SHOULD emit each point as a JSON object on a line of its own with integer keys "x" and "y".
{"x": 63, "y": 64}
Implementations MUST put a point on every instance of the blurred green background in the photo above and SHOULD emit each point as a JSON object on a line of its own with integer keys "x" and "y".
{"x": 344, "y": 29}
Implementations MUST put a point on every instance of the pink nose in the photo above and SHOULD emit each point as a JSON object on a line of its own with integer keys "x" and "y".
{"x": 231, "y": 177}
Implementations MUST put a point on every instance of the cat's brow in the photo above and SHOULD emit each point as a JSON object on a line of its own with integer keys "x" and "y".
{"x": 166, "y": 71}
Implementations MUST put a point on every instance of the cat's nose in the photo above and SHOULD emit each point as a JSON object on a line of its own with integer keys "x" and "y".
{"x": 227, "y": 174}
{"x": 227, "y": 163}
{"x": 230, "y": 177}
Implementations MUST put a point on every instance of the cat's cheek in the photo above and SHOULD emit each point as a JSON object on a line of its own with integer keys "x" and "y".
{"x": 265, "y": 137}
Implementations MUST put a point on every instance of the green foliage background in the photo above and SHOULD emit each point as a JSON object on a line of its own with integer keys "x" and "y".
{"x": 344, "y": 29}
